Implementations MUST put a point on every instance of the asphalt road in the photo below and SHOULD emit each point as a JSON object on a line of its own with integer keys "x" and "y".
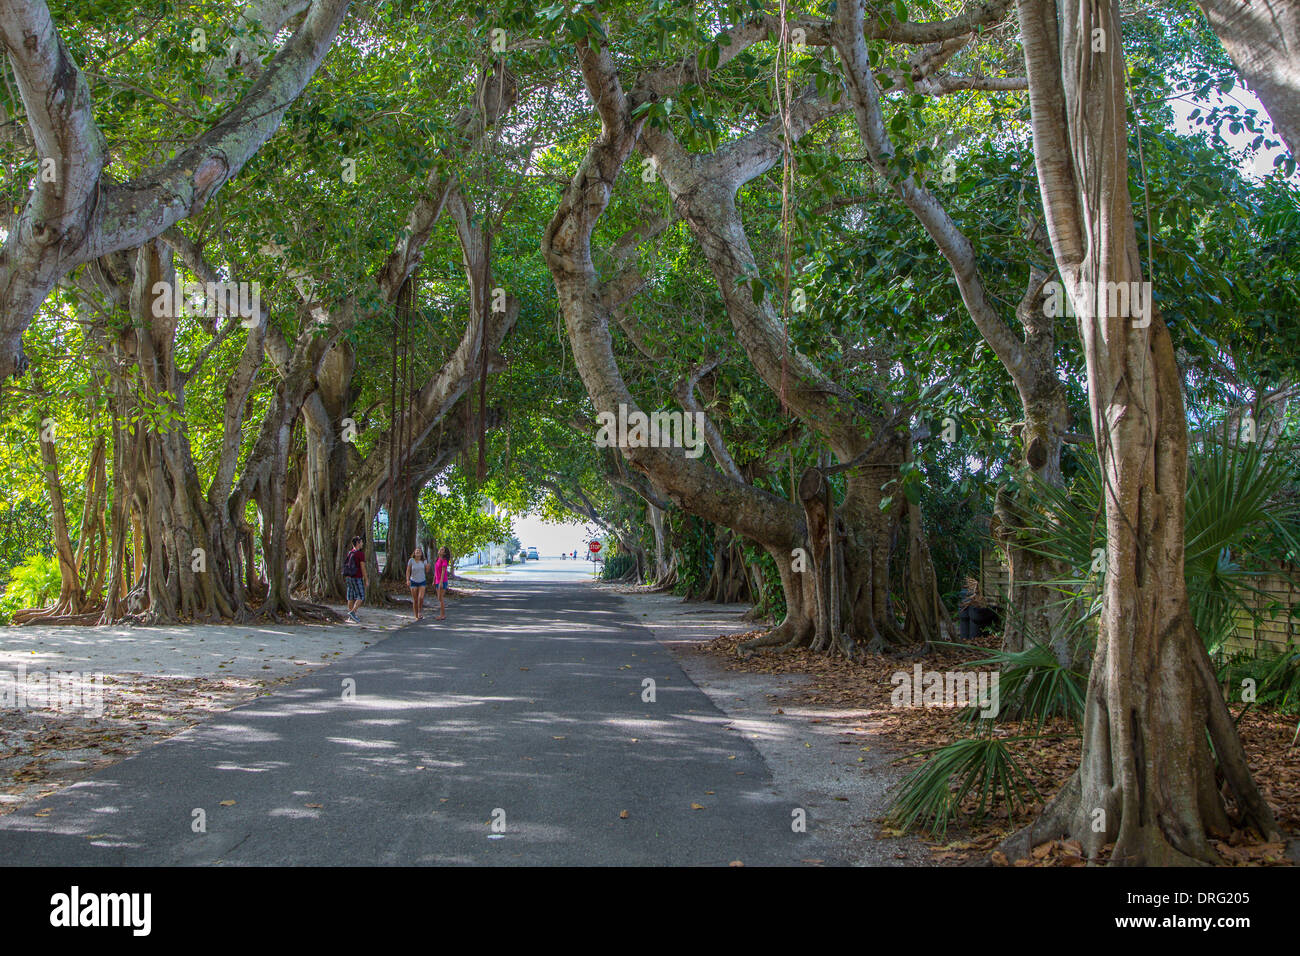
{"x": 515, "y": 732}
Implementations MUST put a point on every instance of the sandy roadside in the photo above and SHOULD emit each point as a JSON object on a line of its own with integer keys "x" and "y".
{"x": 826, "y": 757}
{"x": 125, "y": 688}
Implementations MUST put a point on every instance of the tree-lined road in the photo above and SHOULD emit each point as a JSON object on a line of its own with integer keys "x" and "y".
{"x": 548, "y": 568}
{"x": 524, "y": 707}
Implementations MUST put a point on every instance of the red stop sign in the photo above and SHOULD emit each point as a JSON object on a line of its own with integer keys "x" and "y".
{"x": 594, "y": 546}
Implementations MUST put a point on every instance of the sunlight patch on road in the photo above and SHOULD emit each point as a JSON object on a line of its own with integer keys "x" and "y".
{"x": 362, "y": 744}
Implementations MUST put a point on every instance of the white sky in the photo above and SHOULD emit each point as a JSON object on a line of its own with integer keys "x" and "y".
{"x": 1245, "y": 99}
{"x": 551, "y": 539}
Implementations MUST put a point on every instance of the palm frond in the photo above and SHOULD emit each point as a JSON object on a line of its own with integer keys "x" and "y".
{"x": 983, "y": 768}
{"x": 1238, "y": 521}
{"x": 1035, "y": 685}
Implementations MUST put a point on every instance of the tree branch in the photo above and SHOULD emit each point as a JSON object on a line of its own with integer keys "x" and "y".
{"x": 80, "y": 216}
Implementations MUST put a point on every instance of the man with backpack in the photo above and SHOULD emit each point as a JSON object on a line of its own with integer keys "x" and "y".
{"x": 354, "y": 577}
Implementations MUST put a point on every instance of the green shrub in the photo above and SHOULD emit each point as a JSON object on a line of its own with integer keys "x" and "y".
{"x": 772, "y": 601}
{"x": 616, "y": 566}
{"x": 1239, "y": 522}
{"x": 1276, "y": 677}
{"x": 34, "y": 583}
{"x": 694, "y": 541}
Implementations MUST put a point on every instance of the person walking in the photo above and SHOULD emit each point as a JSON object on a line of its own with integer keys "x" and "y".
{"x": 441, "y": 571}
{"x": 354, "y": 577}
{"x": 417, "y": 579}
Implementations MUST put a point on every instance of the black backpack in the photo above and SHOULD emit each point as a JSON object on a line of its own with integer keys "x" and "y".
{"x": 352, "y": 564}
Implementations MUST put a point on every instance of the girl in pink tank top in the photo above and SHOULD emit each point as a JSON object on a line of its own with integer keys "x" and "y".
{"x": 441, "y": 570}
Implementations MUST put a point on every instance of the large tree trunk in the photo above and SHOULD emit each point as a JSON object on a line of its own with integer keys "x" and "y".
{"x": 1146, "y": 781}
{"x": 728, "y": 582}
{"x": 324, "y": 464}
{"x": 826, "y": 556}
{"x": 185, "y": 566}
{"x": 265, "y": 477}
{"x": 401, "y": 531}
{"x": 927, "y": 618}
{"x": 869, "y": 533}
{"x": 191, "y": 575}
{"x": 799, "y": 587}
{"x": 272, "y": 505}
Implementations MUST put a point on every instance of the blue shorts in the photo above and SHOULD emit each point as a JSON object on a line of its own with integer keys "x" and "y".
{"x": 356, "y": 589}
{"x": 419, "y": 584}
{"x": 441, "y": 586}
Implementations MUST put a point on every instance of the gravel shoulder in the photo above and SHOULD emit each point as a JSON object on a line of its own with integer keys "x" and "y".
{"x": 827, "y": 758}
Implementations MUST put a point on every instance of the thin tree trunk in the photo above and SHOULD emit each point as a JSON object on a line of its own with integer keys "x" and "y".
{"x": 71, "y": 596}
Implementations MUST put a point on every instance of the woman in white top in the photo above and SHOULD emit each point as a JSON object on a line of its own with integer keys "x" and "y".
{"x": 417, "y": 579}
